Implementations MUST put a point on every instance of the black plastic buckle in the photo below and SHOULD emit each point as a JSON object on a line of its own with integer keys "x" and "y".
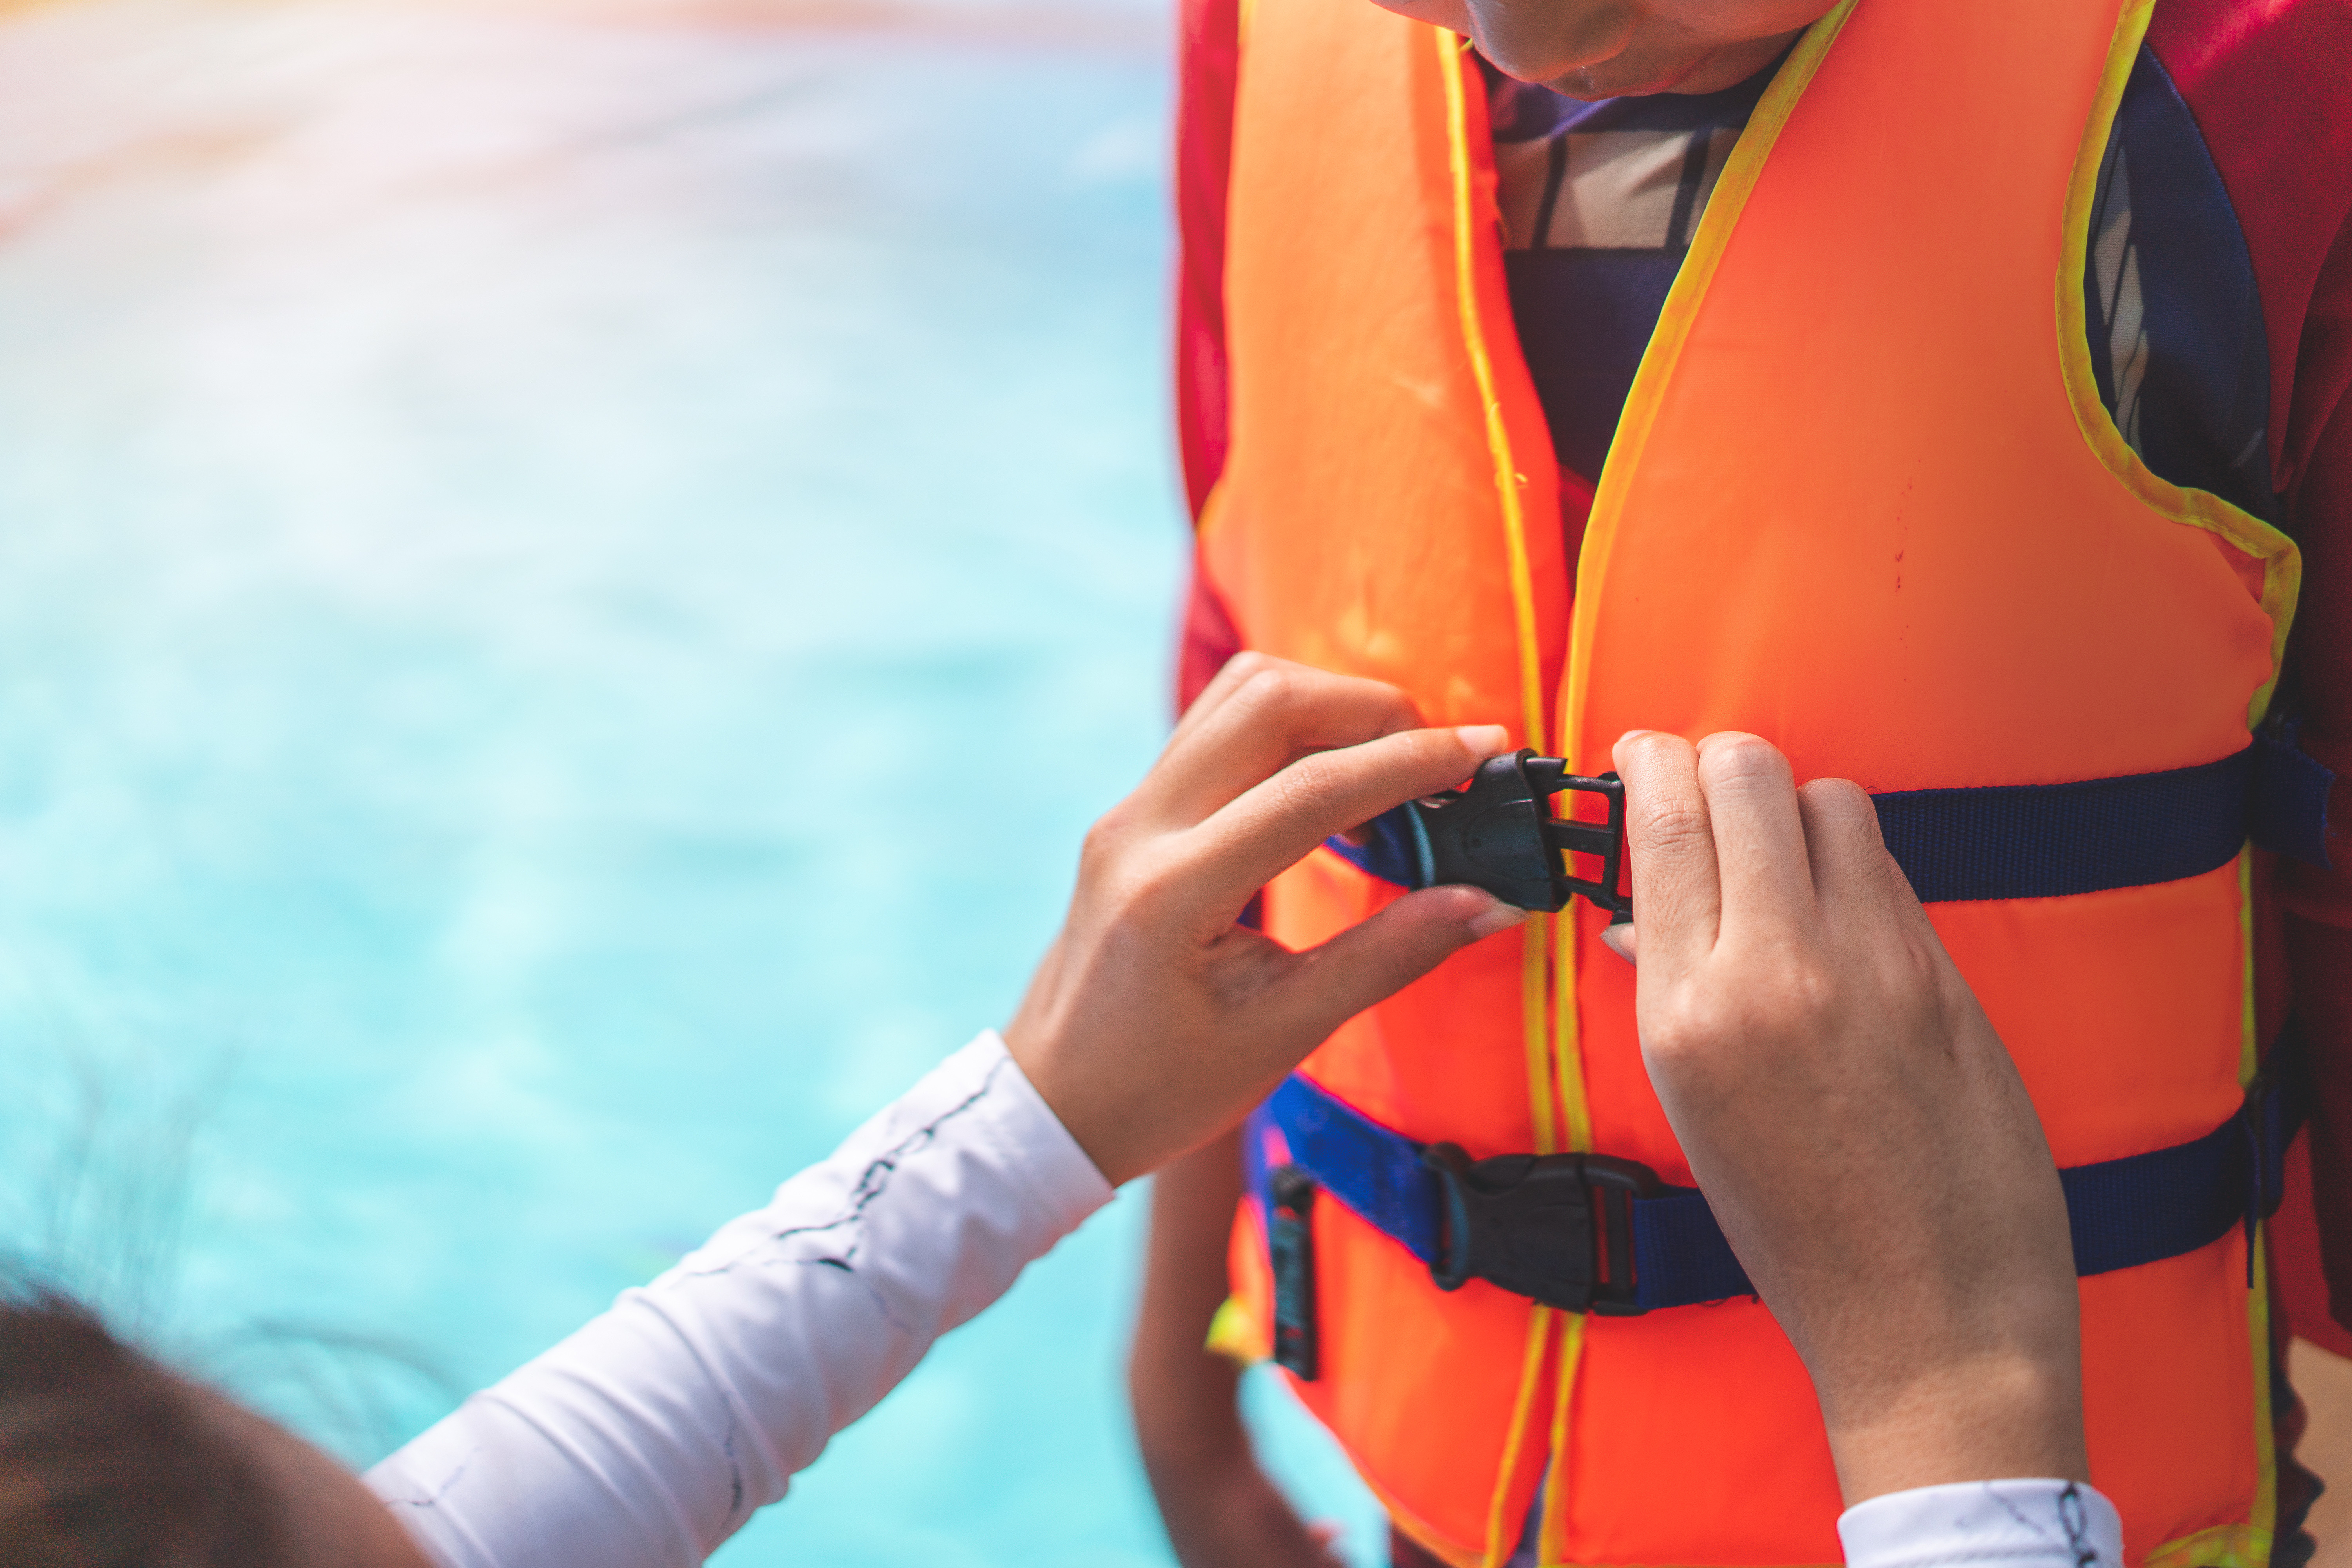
{"x": 1500, "y": 835}
{"x": 1555, "y": 1227}
{"x": 1290, "y": 1228}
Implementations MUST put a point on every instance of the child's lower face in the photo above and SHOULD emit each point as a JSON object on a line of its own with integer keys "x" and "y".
{"x": 1610, "y": 48}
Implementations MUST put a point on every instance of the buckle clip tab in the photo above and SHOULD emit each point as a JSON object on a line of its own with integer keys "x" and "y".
{"x": 1558, "y": 1229}
{"x": 1500, "y": 835}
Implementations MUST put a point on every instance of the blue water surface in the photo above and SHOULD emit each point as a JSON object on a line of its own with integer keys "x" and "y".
{"x": 568, "y": 586}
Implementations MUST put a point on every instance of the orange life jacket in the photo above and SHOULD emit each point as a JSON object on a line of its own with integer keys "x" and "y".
{"x": 1863, "y": 500}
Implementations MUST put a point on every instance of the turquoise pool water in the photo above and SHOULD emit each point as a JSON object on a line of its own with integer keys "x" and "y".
{"x": 568, "y": 586}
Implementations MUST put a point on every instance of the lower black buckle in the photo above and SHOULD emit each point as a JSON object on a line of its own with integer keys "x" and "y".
{"x": 1500, "y": 835}
{"x": 1558, "y": 1229}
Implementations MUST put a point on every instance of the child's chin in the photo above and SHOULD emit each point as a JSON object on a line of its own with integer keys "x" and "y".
{"x": 1593, "y": 83}
{"x": 1622, "y": 78}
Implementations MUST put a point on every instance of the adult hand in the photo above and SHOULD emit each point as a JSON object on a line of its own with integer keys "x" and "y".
{"x": 1156, "y": 1021}
{"x": 1854, "y": 1121}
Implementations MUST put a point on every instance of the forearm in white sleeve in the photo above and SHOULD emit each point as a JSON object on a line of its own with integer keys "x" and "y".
{"x": 649, "y": 1436}
{"x": 1996, "y": 1525}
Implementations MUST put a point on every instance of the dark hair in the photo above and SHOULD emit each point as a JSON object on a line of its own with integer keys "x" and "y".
{"x": 109, "y": 1460}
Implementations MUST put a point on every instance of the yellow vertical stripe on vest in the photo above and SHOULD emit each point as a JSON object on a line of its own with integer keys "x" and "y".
{"x": 1535, "y": 945}
{"x": 1534, "y": 1005}
{"x": 1535, "y": 963}
{"x": 1452, "y": 63}
{"x": 1502, "y": 1537}
{"x": 1568, "y": 1036}
{"x": 1550, "y": 1548}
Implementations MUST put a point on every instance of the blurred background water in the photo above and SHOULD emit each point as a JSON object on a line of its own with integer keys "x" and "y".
{"x": 567, "y": 584}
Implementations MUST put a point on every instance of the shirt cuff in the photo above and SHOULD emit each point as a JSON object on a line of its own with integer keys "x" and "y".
{"x": 2015, "y": 1525}
{"x": 1037, "y": 1151}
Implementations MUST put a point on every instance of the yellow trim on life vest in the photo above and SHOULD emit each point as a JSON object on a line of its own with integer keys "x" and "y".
{"x": 1536, "y": 939}
{"x": 1499, "y": 1544}
{"x": 2223, "y": 1546}
{"x": 1647, "y": 395}
{"x": 1568, "y": 1036}
{"x": 1548, "y": 1546}
{"x": 1568, "y": 1028}
{"x": 1452, "y": 63}
{"x": 1502, "y": 1532}
{"x": 2281, "y": 562}
{"x": 1534, "y": 960}
{"x": 2246, "y": 1545}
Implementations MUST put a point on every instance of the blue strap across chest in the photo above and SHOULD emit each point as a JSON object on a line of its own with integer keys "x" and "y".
{"x": 2042, "y": 841}
{"x": 2123, "y": 1211}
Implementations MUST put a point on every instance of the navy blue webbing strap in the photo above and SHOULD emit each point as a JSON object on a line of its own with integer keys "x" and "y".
{"x": 2124, "y": 1213}
{"x": 2040, "y": 841}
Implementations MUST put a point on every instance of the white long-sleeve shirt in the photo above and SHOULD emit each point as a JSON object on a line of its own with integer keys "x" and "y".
{"x": 650, "y": 1436}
